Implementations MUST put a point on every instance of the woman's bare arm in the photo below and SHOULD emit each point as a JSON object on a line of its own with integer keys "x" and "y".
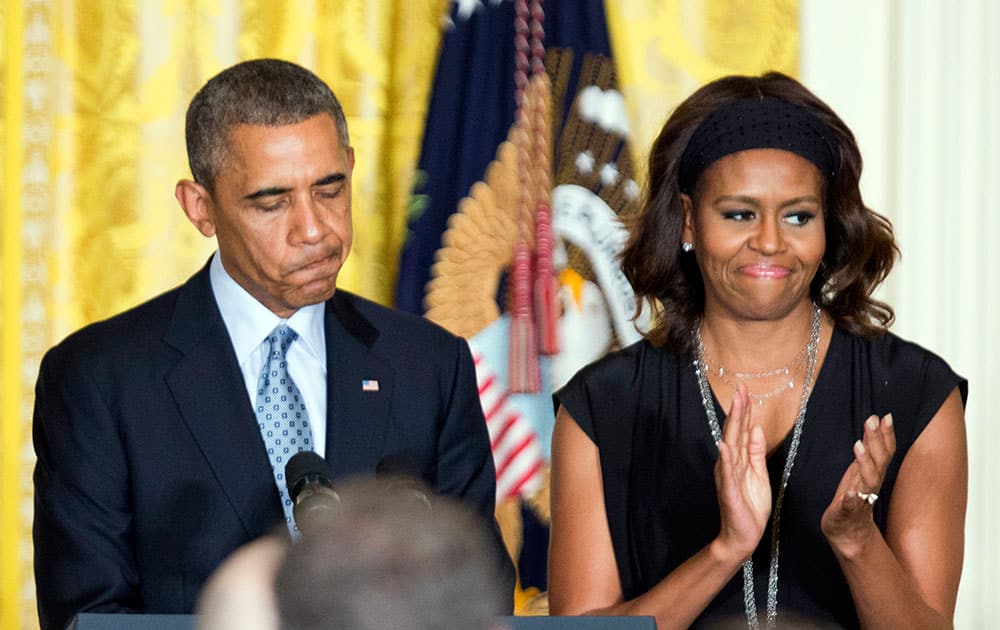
{"x": 909, "y": 578}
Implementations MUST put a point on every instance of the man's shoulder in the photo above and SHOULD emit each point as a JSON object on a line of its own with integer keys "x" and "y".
{"x": 395, "y": 326}
{"x": 131, "y": 328}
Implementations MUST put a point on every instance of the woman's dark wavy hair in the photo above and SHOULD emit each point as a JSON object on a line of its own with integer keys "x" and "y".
{"x": 860, "y": 248}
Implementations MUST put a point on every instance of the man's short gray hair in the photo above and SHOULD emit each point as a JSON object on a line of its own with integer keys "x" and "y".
{"x": 267, "y": 92}
{"x": 387, "y": 560}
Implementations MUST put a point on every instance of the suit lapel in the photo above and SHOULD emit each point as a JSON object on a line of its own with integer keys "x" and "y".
{"x": 359, "y": 390}
{"x": 208, "y": 387}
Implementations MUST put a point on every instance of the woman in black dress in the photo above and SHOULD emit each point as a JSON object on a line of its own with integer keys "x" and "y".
{"x": 833, "y": 488}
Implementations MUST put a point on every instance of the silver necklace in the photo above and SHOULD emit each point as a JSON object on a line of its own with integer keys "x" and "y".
{"x": 701, "y": 370}
{"x": 787, "y": 374}
{"x": 796, "y": 361}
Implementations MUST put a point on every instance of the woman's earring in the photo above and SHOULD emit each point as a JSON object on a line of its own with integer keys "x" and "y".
{"x": 687, "y": 246}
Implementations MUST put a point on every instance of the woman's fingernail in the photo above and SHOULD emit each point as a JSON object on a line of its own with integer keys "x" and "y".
{"x": 872, "y": 423}
{"x": 859, "y": 447}
{"x": 888, "y": 420}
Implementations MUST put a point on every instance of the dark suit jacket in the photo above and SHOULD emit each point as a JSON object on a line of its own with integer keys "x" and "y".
{"x": 151, "y": 468}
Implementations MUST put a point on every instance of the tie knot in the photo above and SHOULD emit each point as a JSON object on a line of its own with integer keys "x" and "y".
{"x": 280, "y": 339}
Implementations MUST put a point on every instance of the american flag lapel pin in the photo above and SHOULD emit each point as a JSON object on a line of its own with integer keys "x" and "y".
{"x": 369, "y": 385}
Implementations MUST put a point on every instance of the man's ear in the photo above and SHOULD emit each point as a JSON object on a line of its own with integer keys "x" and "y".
{"x": 687, "y": 234}
{"x": 196, "y": 202}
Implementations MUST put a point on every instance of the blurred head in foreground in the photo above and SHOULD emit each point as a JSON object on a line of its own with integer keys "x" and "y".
{"x": 391, "y": 555}
{"x": 240, "y": 593}
{"x": 388, "y": 559}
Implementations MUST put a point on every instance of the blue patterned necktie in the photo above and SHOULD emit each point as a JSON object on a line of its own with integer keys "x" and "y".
{"x": 281, "y": 414}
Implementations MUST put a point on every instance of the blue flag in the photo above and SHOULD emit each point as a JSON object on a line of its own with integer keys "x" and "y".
{"x": 471, "y": 111}
{"x": 457, "y": 256}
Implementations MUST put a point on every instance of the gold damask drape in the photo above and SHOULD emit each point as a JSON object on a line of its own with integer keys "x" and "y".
{"x": 91, "y": 143}
{"x": 95, "y": 93}
{"x": 665, "y": 49}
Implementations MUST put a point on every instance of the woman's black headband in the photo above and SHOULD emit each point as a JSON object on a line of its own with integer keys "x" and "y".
{"x": 757, "y": 123}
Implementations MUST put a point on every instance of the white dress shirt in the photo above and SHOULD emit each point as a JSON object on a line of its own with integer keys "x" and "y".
{"x": 249, "y": 323}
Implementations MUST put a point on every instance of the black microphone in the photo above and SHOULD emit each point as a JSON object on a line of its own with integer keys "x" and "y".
{"x": 308, "y": 479}
{"x": 399, "y": 473}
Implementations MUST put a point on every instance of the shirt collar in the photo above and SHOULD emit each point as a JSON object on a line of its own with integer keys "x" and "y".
{"x": 249, "y": 322}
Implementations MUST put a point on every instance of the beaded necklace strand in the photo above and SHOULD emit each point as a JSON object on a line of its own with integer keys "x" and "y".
{"x": 701, "y": 370}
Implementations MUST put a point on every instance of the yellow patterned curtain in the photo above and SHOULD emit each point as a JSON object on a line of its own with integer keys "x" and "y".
{"x": 91, "y": 143}
{"x": 666, "y": 48}
{"x": 94, "y": 96}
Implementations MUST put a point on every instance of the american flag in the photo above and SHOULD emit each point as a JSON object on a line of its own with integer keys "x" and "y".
{"x": 517, "y": 453}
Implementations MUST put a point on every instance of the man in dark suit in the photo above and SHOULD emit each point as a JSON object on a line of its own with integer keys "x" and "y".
{"x": 157, "y": 455}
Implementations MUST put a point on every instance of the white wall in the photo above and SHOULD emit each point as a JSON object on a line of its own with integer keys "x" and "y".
{"x": 919, "y": 83}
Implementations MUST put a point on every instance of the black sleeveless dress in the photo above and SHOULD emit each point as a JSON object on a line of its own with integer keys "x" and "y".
{"x": 642, "y": 408}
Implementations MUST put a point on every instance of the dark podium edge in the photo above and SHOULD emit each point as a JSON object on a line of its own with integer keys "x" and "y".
{"x": 98, "y": 621}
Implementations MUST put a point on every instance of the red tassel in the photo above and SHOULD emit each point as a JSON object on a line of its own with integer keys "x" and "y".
{"x": 546, "y": 306}
{"x": 523, "y": 372}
